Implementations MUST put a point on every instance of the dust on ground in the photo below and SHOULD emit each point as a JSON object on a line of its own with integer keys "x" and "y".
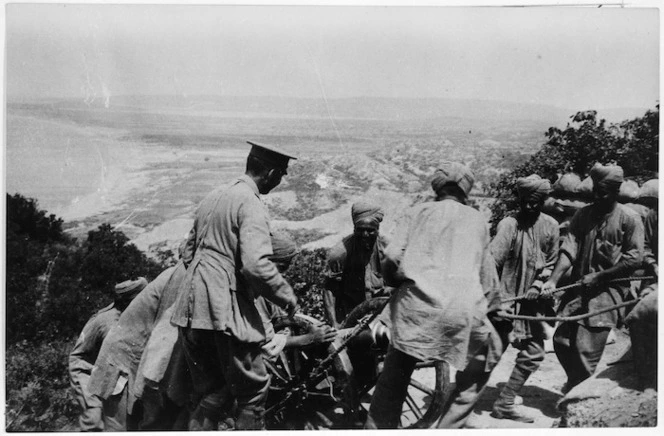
{"x": 541, "y": 394}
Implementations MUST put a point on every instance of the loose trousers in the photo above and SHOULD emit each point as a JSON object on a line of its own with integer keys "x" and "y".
{"x": 391, "y": 389}
{"x": 215, "y": 359}
{"x": 579, "y": 349}
{"x": 472, "y": 381}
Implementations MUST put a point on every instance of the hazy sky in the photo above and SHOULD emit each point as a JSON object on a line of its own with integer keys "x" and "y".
{"x": 568, "y": 57}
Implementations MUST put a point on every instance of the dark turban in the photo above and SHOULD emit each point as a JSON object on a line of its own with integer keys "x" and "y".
{"x": 284, "y": 248}
{"x": 363, "y": 211}
{"x": 127, "y": 290}
{"x": 533, "y": 187}
{"x": 609, "y": 177}
{"x": 455, "y": 173}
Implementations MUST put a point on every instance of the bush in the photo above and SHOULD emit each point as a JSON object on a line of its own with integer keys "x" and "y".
{"x": 38, "y": 393}
{"x": 54, "y": 283}
{"x": 586, "y": 140}
{"x": 306, "y": 277}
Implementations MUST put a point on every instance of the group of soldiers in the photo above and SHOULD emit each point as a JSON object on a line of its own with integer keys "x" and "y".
{"x": 189, "y": 349}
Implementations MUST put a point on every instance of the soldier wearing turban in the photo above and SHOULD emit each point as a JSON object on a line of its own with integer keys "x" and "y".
{"x": 454, "y": 176}
{"x": 353, "y": 276}
{"x": 642, "y": 320}
{"x": 353, "y": 271}
{"x": 86, "y": 350}
{"x": 446, "y": 284}
{"x": 605, "y": 241}
{"x": 525, "y": 249}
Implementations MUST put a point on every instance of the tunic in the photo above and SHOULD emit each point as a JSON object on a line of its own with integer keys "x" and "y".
{"x": 227, "y": 254}
{"x": 525, "y": 257}
{"x": 121, "y": 352}
{"x": 353, "y": 274}
{"x": 82, "y": 358}
{"x": 651, "y": 233}
{"x": 438, "y": 262}
{"x": 597, "y": 242}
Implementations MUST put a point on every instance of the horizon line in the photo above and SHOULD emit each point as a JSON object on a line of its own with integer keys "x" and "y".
{"x": 11, "y": 99}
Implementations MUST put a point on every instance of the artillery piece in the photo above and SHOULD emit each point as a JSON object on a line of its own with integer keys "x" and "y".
{"x": 318, "y": 387}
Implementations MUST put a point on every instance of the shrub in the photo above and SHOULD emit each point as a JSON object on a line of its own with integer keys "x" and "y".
{"x": 306, "y": 277}
{"x": 586, "y": 140}
{"x": 38, "y": 393}
{"x": 54, "y": 283}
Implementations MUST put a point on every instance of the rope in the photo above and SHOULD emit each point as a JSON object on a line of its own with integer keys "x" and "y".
{"x": 568, "y": 318}
{"x": 577, "y": 284}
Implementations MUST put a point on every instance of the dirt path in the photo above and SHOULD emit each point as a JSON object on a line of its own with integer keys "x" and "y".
{"x": 541, "y": 392}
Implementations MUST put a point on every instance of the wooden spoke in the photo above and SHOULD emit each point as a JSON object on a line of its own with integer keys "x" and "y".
{"x": 420, "y": 387}
{"x": 413, "y": 407}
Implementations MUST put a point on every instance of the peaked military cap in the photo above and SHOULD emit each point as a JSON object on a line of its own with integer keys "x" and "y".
{"x": 270, "y": 154}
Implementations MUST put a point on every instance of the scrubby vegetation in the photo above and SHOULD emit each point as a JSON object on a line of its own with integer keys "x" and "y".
{"x": 306, "y": 276}
{"x": 54, "y": 284}
{"x": 631, "y": 144}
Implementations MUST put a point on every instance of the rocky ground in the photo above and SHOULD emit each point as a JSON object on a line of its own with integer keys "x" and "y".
{"x": 610, "y": 399}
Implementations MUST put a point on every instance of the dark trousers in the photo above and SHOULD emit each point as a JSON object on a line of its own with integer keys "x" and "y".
{"x": 215, "y": 360}
{"x": 485, "y": 349}
{"x": 159, "y": 413}
{"x": 391, "y": 389}
{"x": 362, "y": 357}
{"x": 471, "y": 382}
{"x": 579, "y": 350}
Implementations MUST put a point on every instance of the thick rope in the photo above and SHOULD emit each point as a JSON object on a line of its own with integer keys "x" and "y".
{"x": 577, "y": 284}
{"x": 568, "y": 318}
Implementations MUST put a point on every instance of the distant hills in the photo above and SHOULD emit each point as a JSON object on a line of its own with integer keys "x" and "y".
{"x": 352, "y": 108}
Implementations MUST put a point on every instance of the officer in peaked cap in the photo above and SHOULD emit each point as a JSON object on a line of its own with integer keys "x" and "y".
{"x": 270, "y": 155}
{"x": 271, "y": 162}
{"x": 228, "y": 266}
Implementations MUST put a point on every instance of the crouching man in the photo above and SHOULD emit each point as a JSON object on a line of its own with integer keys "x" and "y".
{"x": 84, "y": 355}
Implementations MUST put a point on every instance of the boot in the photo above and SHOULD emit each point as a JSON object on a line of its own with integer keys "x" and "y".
{"x": 505, "y": 407}
{"x": 504, "y": 410}
{"x": 200, "y": 422}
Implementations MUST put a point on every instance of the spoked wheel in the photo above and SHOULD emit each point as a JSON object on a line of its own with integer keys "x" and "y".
{"x": 290, "y": 404}
{"x": 425, "y": 398}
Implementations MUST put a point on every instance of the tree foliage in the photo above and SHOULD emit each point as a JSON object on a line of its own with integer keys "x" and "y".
{"x": 632, "y": 144}
{"x": 54, "y": 283}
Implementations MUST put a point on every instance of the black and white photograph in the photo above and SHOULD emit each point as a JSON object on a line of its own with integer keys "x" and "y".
{"x": 289, "y": 216}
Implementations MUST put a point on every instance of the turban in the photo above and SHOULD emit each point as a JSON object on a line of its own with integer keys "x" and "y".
{"x": 128, "y": 289}
{"x": 453, "y": 172}
{"x": 584, "y": 190}
{"x": 650, "y": 189}
{"x": 629, "y": 191}
{"x": 567, "y": 185}
{"x": 284, "y": 248}
{"x": 363, "y": 211}
{"x": 533, "y": 187}
{"x": 609, "y": 176}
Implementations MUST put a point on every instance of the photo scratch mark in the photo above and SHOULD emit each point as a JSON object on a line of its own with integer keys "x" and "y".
{"x": 324, "y": 94}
